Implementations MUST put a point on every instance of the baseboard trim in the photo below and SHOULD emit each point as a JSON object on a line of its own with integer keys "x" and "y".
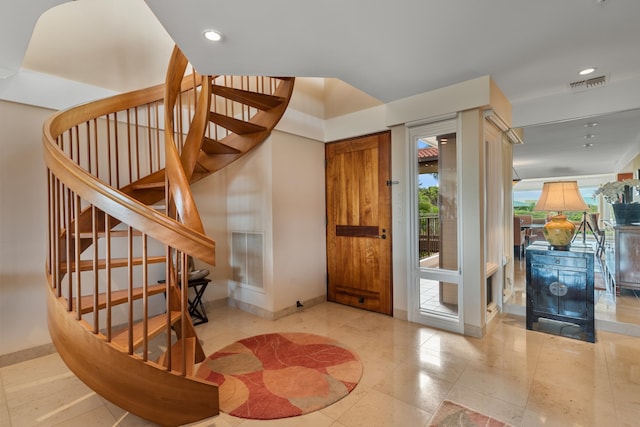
{"x": 26, "y": 354}
{"x": 271, "y": 315}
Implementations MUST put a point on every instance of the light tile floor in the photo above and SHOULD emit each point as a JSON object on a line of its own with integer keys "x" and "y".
{"x": 524, "y": 377}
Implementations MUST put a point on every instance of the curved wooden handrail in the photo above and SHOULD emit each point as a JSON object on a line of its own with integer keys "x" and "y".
{"x": 176, "y": 175}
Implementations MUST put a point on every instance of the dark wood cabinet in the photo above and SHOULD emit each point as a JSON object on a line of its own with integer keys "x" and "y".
{"x": 627, "y": 256}
{"x": 560, "y": 287}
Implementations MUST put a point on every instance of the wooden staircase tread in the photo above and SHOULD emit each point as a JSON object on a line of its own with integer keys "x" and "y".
{"x": 212, "y": 146}
{"x": 155, "y": 325}
{"x": 176, "y": 356}
{"x": 261, "y": 101}
{"x": 117, "y": 297}
{"x": 234, "y": 125}
{"x": 87, "y": 265}
{"x": 148, "y": 185}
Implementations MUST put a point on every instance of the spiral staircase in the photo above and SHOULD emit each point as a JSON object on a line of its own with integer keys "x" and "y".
{"x": 121, "y": 214}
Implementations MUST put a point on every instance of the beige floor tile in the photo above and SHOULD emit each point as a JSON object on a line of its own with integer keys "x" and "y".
{"x": 496, "y": 408}
{"x": 339, "y": 408}
{"x": 436, "y": 365}
{"x": 564, "y": 403}
{"x": 449, "y": 344}
{"x": 415, "y": 386}
{"x": 33, "y": 370}
{"x": 377, "y": 409}
{"x": 374, "y": 370}
{"x": 314, "y": 419}
{"x": 510, "y": 385}
{"x": 523, "y": 377}
{"x": 627, "y": 417}
{"x": 623, "y": 360}
{"x": 98, "y": 417}
{"x": 626, "y": 397}
{"x": 126, "y": 419}
{"x": 222, "y": 420}
{"x": 55, "y": 408}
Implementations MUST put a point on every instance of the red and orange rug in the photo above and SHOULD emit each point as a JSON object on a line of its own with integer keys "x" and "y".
{"x": 281, "y": 375}
{"x": 450, "y": 414}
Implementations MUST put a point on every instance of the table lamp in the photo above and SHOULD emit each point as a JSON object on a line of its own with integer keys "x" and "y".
{"x": 560, "y": 196}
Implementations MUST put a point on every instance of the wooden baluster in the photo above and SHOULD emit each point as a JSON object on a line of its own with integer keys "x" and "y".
{"x": 107, "y": 266}
{"x": 67, "y": 232}
{"x": 57, "y": 212}
{"x": 95, "y": 147}
{"x": 145, "y": 299}
{"x": 76, "y": 249}
{"x": 158, "y": 137}
{"x": 130, "y": 285}
{"x": 129, "y": 153}
{"x": 137, "y": 144}
{"x": 116, "y": 147}
{"x": 184, "y": 290}
{"x": 96, "y": 289}
{"x": 168, "y": 271}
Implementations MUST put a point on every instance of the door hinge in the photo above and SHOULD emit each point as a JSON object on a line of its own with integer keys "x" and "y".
{"x": 390, "y": 183}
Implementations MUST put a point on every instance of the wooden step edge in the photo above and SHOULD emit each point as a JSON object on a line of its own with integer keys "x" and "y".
{"x": 236, "y": 126}
{"x": 155, "y": 326}
{"x": 213, "y": 146}
{"x": 117, "y": 297}
{"x": 261, "y": 101}
{"x": 176, "y": 356}
{"x": 148, "y": 186}
{"x": 87, "y": 265}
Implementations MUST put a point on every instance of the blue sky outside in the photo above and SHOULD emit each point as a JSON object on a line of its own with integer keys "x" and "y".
{"x": 427, "y": 180}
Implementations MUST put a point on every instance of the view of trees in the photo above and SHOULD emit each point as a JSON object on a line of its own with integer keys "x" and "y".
{"x": 526, "y": 208}
{"x": 427, "y": 200}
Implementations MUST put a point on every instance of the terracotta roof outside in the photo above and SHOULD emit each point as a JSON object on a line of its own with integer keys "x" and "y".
{"x": 429, "y": 153}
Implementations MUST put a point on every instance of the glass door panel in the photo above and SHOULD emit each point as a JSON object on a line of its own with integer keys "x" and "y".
{"x": 435, "y": 252}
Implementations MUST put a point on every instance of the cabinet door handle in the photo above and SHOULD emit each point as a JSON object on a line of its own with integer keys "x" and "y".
{"x": 558, "y": 289}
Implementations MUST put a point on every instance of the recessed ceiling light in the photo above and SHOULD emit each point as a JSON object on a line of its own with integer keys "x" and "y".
{"x": 589, "y": 136}
{"x": 591, "y": 125}
{"x": 586, "y": 71}
{"x": 212, "y": 35}
{"x": 588, "y": 145}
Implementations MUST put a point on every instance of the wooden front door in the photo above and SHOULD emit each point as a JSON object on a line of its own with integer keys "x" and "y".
{"x": 358, "y": 175}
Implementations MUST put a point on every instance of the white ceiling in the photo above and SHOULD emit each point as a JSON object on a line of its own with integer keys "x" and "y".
{"x": 388, "y": 49}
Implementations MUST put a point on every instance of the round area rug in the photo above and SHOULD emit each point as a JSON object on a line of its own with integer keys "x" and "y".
{"x": 281, "y": 375}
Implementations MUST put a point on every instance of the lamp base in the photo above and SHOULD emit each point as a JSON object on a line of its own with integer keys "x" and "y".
{"x": 559, "y": 232}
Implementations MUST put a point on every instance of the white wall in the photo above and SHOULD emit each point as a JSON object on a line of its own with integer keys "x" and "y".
{"x": 278, "y": 190}
{"x": 249, "y": 206}
{"x": 210, "y": 195}
{"x": 23, "y": 228}
{"x": 299, "y": 238}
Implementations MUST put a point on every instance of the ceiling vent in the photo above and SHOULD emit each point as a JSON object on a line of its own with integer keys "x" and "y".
{"x": 591, "y": 83}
